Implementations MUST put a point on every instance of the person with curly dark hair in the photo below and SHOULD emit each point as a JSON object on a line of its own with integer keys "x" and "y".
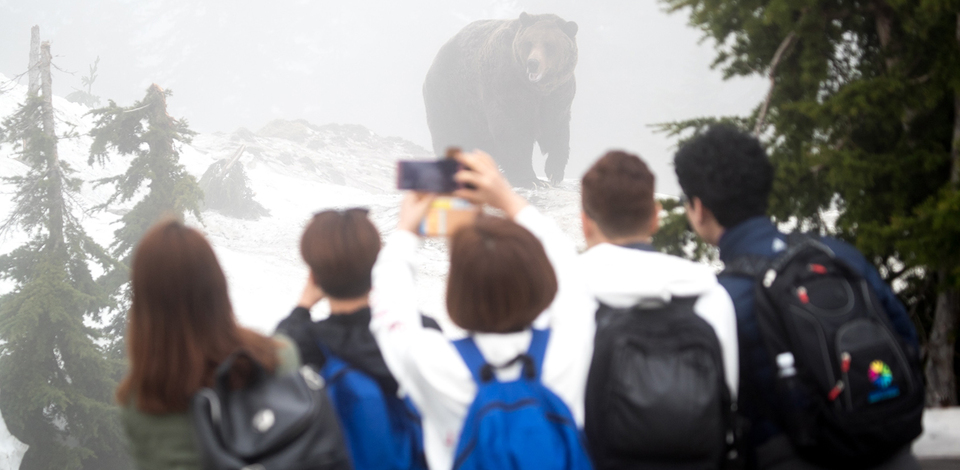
{"x": 726, "y": 178}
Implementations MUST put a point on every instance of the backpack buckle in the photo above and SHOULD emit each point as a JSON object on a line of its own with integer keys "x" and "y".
{"x": 769, "y": 277}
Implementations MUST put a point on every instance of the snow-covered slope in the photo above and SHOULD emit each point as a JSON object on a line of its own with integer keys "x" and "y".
{"x": 296, "y": 169}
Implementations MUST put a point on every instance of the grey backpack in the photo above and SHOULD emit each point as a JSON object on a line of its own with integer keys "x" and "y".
{"x": 275, "y": 422}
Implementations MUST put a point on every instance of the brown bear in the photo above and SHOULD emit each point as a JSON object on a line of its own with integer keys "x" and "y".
{"x": 502, "y": 85}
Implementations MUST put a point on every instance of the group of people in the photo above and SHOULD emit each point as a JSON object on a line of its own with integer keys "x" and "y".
{"x": 640, "y": 359}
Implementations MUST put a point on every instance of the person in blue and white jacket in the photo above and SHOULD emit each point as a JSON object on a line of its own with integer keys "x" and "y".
{"x": 505, "y": 274}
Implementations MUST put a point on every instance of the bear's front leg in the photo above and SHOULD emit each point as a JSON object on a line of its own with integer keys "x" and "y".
{"x": 514, "y": 134}
{"x": 554, "y": 135}
{"x": 514, "y": 155}
{"x": 557, "y": 149}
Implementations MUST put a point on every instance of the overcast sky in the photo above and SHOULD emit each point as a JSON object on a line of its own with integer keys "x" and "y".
{"x": 236, "y": 63}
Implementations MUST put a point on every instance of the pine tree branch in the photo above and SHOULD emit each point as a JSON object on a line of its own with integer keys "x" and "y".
{"x": 787, "y": 42}
{"x": 137, "y": 109}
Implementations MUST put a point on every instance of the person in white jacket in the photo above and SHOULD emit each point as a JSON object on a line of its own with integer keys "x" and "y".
{"x": 620, "y": 216}
{"x": 623, "y": 271}
{"x": 424, "y": 361}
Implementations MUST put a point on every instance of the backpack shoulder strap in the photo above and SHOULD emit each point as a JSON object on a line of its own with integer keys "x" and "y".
{"x": 472, "y": 356}
{"x": 333, "y": 367}
{"x": 684, "y": 304}
{"x": 751, "y": 266}
{"x": 798, "y": 242}
{"x": 538, "y": 349}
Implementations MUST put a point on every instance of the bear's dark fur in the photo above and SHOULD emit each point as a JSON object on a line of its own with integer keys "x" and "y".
{"x": 500, "y": 86}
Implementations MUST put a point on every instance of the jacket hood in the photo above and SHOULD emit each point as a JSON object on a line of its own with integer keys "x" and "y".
{"x": 623, "y": 277}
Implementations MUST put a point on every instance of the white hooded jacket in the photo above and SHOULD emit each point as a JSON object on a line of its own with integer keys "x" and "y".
{"x": 430, "y": 370}
{"x": 622, "y": 277}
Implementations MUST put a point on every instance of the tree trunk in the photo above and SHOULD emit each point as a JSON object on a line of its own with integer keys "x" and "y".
{"x": 955, "y": 150}
{"x": 50, "y": 147}
{"x": 941, "y": 381}
{"x": 33, "y": 69}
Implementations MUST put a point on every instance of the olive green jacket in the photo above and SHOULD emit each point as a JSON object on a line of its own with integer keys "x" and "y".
{"x": 165, "y": 442}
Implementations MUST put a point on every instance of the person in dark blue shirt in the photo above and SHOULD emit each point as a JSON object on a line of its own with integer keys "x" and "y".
{"x": 726, "y": 178}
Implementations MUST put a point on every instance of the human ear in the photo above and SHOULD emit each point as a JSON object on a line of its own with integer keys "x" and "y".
{"x": 654, "y": 225}
{"x": 590, "y": 230}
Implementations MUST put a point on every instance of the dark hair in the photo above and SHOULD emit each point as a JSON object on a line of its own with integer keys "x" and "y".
{"x": 181, "y": 324}
{"x": 729, "y": 171}
{"x": 340, "y": 248}
{"x": 500, "y": 277}
{"x": 617, "y": 193}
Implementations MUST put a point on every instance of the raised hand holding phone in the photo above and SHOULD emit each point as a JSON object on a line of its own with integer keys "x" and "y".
{"x": 413, "y": 209}
{"x": 482, "y": 183}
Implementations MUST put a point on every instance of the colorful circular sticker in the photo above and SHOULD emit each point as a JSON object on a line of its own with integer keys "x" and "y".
{"x": 880, "y": 374}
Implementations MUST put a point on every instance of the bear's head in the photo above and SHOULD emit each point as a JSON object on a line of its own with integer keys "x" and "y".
{"x": 545, "y": 49}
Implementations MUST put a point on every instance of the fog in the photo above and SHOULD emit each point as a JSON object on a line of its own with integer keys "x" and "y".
{"x": 234, "y": 64}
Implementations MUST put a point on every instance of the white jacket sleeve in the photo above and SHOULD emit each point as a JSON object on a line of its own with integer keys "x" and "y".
{"x": 717, "y": 309}
{"x": 424, "y": 362}
{"x": 570, "y": 316}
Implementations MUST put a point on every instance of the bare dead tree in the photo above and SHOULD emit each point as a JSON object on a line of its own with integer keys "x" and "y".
{"x": 34, "y": 63}
{"x": 772, "y": 74}
{"x": 46, "y": 86}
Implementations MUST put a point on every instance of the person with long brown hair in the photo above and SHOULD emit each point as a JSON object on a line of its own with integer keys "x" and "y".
{"x": 507, "y": 275}
{"x": 180, "y": 327}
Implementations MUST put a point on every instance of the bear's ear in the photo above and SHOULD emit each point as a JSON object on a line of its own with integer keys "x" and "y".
{"x": 570, "y": 28}
{"x": 526, "y": 20}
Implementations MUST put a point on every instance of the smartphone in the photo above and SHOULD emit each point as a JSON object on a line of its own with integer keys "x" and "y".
{"x": 431, "y": 176}
{"x": 447, "y": 215}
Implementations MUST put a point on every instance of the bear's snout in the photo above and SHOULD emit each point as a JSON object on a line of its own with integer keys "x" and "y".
{"x": 534, "y": 74}
{"x": 533, "y": 66}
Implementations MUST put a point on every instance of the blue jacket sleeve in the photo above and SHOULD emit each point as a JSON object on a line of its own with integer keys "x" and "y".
{"x": 895, "y": 310}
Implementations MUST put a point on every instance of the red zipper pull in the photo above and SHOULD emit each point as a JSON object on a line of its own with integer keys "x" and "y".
{"x": 802, "y": 295}
{"x": 835, "y": 391}
{"x": 845, "y": 362}
{"x": 818, "y": 268}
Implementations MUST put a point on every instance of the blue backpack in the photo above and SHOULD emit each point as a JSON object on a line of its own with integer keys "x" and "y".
{"x": 520, "y": 424}
{"x": 383, "y": 432}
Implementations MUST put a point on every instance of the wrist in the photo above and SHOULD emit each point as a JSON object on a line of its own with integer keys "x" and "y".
{"x": 407, "y": 228}
{"x": 513, "y": 204}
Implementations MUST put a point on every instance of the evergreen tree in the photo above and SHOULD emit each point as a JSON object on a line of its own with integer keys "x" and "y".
{"x": 57, "y": 392}
{"x": 863, "y": 118}
{"x": 152, "y": 137}
{"x": 86, "y": 96}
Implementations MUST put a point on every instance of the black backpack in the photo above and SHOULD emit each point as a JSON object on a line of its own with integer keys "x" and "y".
{"x": 849, "y": 393}
{"x": 656, "y": 395}
{"x": 275, "y": 422}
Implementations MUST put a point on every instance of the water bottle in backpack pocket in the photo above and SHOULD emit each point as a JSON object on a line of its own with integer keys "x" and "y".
{"x": 383, "y": 432}
{"x": 857, "y": 395}
{"x": 520, "y": 424}
{"x": 656, "y": 395}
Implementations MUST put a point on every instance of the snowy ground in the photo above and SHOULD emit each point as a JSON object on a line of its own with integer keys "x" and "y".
{"x": 296, "y": 168}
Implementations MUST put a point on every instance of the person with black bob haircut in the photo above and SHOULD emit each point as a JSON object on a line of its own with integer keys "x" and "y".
{"x": 726, "y": 178}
